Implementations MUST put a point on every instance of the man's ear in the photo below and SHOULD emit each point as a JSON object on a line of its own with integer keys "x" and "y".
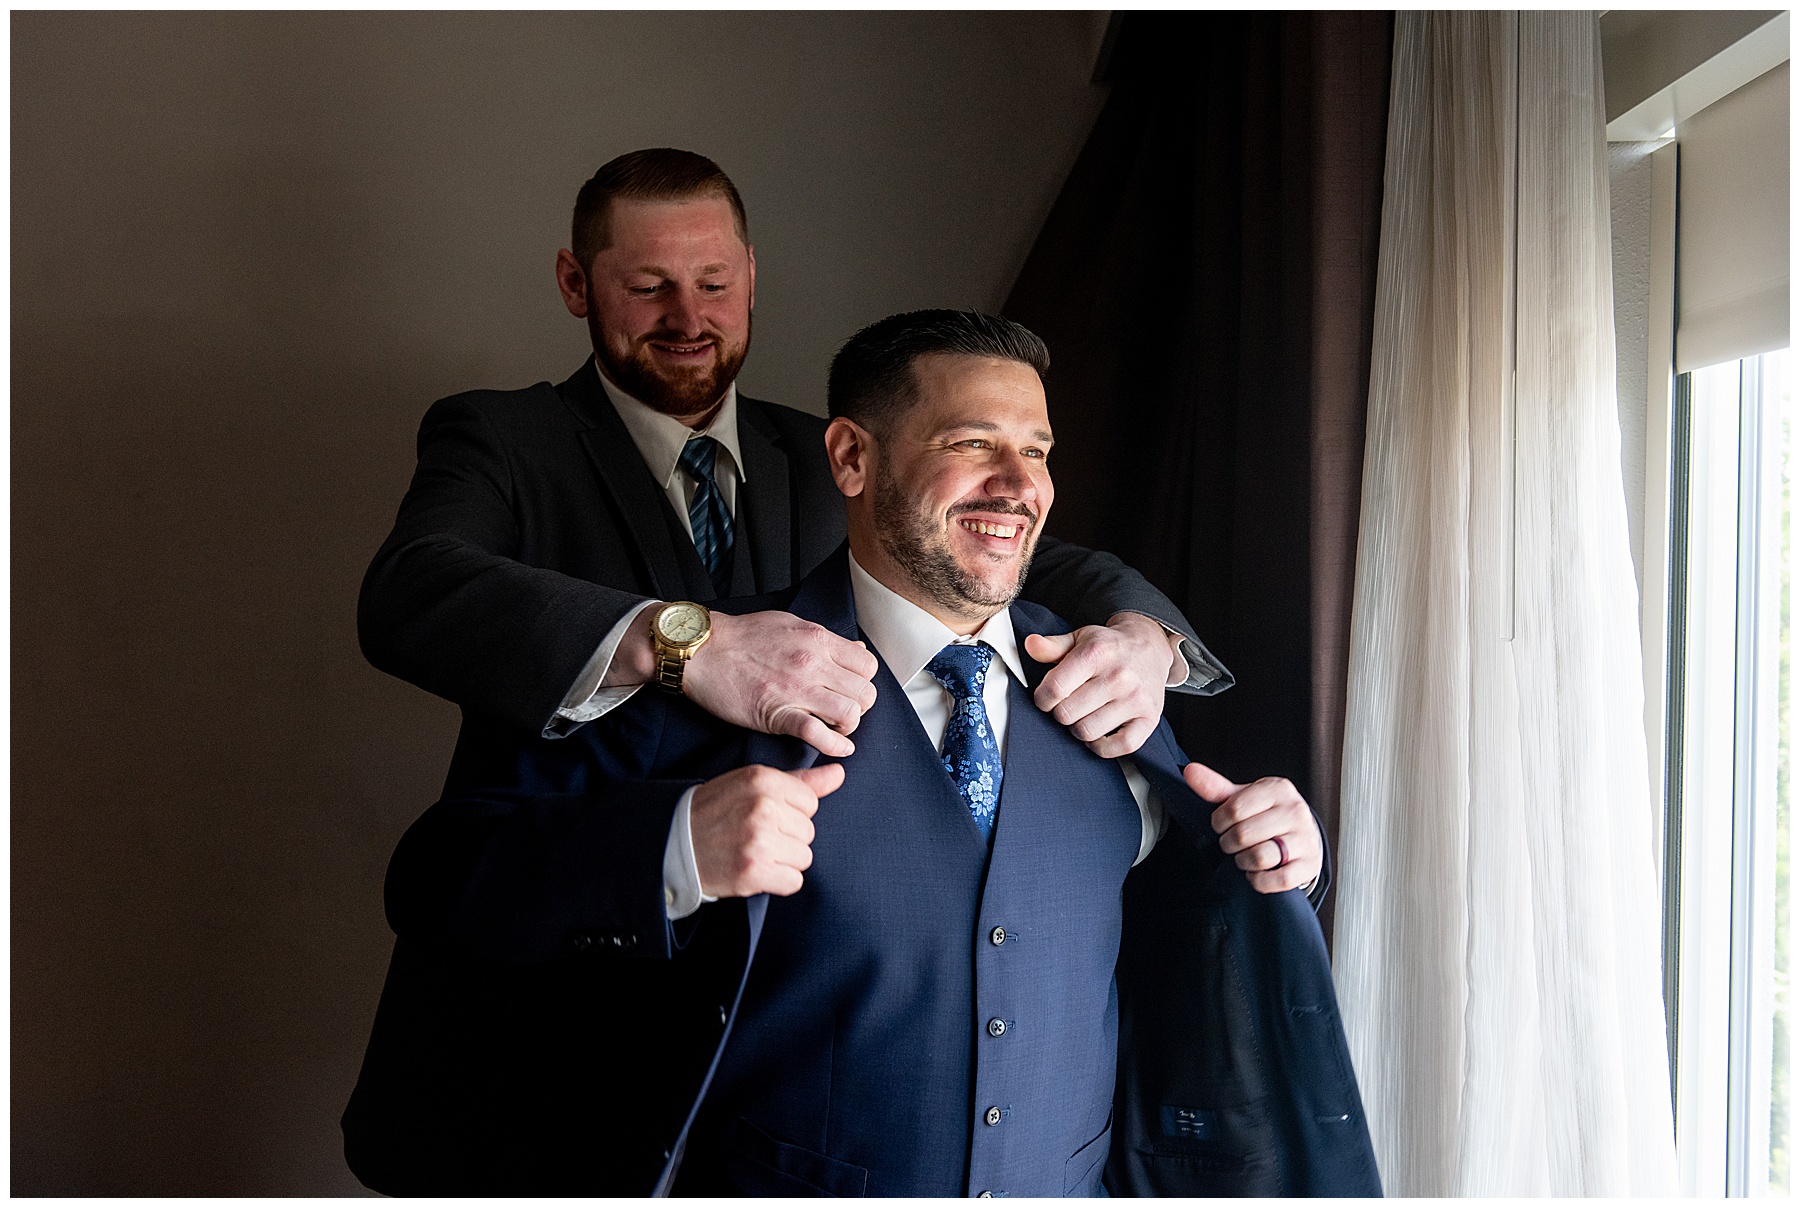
{"x": 851, "y": 452}
{"x": 572, "y": 281}
{"x": 751, "y": 252}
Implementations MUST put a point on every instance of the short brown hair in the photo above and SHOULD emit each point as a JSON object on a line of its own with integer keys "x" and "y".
{"x": 872, "y": 380}
{"x": 653, "y": 174}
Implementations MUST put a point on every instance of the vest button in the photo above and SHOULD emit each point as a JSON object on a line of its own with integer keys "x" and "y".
{"x": 998, "y": 936}
{"x": 993, "y": 1115}
{"x": 996, "y": 1027}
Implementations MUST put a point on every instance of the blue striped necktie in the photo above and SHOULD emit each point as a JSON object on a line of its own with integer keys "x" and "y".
{"x": 707, "y": 514}
{"x": 971, "y": 751}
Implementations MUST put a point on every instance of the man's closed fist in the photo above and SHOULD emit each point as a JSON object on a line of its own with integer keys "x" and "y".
{"x": 753, "y": 828}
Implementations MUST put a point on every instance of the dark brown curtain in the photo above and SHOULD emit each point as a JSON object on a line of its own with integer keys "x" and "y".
{"x": 1206, "y": 283}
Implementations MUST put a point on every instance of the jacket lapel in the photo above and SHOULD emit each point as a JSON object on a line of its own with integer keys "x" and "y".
{"x": 622, "y": 476}
{"x": 824, "y": 598}
{"x": 1159, "y": 759}
{"x": 764, "y": 511}
{"x": 1029, "y": 621}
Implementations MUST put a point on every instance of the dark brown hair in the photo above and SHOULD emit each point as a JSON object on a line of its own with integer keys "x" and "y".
{"x": 653, "y": 174}
{"x": 872, "y": 377}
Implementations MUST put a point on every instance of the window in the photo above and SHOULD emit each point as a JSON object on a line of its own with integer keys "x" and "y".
{"x": 1729, "y": 908}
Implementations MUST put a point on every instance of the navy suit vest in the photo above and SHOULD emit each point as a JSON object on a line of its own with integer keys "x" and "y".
{"x": 924, "y": 1018}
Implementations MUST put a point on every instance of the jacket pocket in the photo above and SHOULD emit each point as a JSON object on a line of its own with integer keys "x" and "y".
{"x": 1081, "y": 1173}
{"x": 1199, "y": 1151}
{"x": 758, "y": 1164}
{"x": 1318, "y": 1037}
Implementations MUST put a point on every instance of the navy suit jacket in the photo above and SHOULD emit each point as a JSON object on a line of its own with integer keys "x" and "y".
{"x": 546, "y": 1030}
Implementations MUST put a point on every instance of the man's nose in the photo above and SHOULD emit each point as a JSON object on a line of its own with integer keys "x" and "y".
{"x": 683, "y": 315}
{"x": 1012, "y": 477}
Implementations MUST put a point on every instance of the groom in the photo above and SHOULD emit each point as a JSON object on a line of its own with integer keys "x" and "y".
{"x": 743, "y": 970}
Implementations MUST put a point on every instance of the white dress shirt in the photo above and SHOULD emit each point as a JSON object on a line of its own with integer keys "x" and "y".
{"x": 659, "y": 439}
{"x": 907, "y": 638}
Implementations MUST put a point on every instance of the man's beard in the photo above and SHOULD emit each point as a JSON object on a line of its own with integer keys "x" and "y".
{"x": 923, "y": 552}
{"x": 685, "y": 393}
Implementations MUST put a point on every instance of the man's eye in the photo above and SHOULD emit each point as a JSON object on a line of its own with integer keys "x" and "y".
{"x": 644, "y": 291}
{"x": 976, "y": 443}
{"x": 713, "y": 287}
{"x": 1037, "y": 453}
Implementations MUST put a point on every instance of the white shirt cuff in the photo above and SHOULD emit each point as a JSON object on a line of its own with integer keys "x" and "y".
{"x": 1150, "y": 809}
{"x": 681, "y": 872}
{"x": 1179, "y": 671}
{"x": 586, "y": 699}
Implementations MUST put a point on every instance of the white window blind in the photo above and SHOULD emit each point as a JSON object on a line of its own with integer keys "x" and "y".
{"x": 1733, "y": 247}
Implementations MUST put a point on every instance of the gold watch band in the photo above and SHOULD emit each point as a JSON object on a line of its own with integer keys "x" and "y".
{"x": 670, "y": 667}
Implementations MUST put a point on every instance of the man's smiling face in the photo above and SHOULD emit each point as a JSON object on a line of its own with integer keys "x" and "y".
{"x": 668, "y": 303}
{"x": 961, "y": 486}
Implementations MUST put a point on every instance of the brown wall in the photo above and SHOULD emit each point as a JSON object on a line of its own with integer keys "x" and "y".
{"x": 248, "y": 250}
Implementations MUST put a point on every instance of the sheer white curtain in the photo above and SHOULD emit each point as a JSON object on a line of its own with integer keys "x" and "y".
{"x": 1498, "y": 928}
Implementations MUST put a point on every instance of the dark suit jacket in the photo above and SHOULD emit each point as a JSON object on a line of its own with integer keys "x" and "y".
{"x": 545, "y": 1029}
{"x": 532, "y": 526}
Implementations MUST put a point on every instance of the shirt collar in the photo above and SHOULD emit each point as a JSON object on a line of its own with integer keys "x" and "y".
{"x": 907, "y": 637}
{"x": 660, "y": 438}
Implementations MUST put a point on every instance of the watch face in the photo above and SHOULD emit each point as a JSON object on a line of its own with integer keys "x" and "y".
{"x": 681, "y": 624}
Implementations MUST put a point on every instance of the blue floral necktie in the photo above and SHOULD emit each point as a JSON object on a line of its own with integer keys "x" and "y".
{"x": 707, "y": 514}
{"x": 971, "y": 753}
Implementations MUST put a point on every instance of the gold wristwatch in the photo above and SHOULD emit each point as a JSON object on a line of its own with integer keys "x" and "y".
{"x": 677, "y": 631}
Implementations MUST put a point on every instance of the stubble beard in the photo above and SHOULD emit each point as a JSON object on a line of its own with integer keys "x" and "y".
{"x": 686, "y": 394}
{"x": 923, "y": 553}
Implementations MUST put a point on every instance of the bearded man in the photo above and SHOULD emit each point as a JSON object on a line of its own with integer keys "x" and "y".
{"x": 887, "y": 974}
{"x": 543, "y": 524}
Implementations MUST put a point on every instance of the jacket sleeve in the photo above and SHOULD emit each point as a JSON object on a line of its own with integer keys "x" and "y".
{"x": 523, "y": 877}
{"x": 1086, "y": 587}
{"x": 447, "y": 605}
